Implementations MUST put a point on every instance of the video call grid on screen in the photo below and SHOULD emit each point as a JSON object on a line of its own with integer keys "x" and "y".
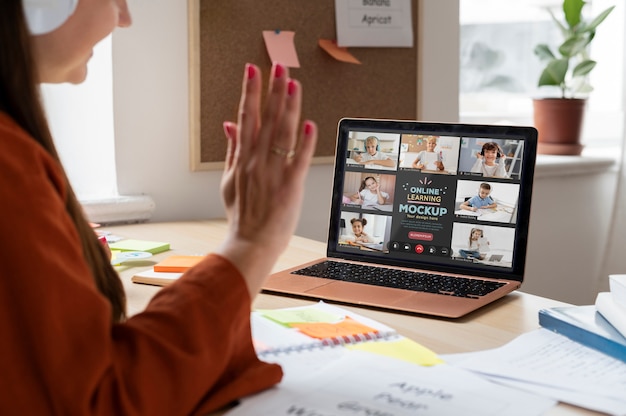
{"x": 431, "y": 185}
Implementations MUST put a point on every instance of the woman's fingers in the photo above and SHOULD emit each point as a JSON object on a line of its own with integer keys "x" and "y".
{"x": 284, "y": 142}
{"x": 275, "y": 140}
{"x": 248, "y": 120}
{"x": 230, "y": 130}
{"x": 304, "y": 152}
{"x": 228, "y": 178}
{"x": 262, "y": 161}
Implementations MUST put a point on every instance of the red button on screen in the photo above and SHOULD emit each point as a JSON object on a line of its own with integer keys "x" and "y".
{"x": 416, "y": 235}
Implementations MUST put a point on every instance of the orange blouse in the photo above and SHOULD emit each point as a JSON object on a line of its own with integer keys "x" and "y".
{"x": 189, "y": 352}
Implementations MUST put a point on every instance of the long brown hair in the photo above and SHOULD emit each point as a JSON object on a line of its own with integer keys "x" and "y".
{"x": 472, "y": 233}
{"x": 20, "y": 99}
{"x": 364, "y": 182}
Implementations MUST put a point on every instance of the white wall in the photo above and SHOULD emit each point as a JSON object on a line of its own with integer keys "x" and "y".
{"x": 569, "y": 223}
{"x": 568, "y": 238}
{"x": 151, "y": 113}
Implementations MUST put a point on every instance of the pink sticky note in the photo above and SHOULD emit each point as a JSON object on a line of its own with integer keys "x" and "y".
{"x": 280, "y": 47}
{"x": 337, "y": 52}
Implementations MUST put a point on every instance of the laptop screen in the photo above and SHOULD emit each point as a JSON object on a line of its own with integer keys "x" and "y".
{"x": 438, "y": 196}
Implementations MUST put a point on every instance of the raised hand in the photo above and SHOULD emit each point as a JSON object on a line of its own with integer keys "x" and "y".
{"x": 267, "y": 160}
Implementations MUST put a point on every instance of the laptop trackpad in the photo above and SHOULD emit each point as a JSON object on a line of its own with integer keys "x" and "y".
{"x": 358, "y": 293}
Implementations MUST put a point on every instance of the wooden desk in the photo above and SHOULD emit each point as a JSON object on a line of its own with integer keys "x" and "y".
{"x": 487, "y": 328}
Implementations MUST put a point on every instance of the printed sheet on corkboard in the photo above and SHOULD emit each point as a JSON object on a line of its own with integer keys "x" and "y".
{"x": 225, "y": 35}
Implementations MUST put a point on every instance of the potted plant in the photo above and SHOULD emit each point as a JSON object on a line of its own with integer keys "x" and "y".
{"x": 559, "y": 120}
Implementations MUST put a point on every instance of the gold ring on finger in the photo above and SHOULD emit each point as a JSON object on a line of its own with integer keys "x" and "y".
{"x": 283, "y": 152}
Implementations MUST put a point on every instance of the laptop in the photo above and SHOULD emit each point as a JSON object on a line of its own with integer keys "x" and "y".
{"x": 398, "y": 238}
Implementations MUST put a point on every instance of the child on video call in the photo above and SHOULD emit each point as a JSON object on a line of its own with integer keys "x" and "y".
{"x": 490, "y": 161}
{"x": 481, "y": 201}
{"x": 429, "y": 159}
{"x": 373, "y": 156}
{"x": 477, "y": 247}
{"x": 370, "y": 193}
{"x": 357, "y": 228}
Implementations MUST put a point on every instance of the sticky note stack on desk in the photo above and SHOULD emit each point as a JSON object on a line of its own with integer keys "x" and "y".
{"x": 153, "y": 247}
{"x": 177, "y": 264}
{"x": 167, "y": 270}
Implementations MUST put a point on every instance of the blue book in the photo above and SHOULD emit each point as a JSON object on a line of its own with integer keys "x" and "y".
{"x": 584, "y": 324}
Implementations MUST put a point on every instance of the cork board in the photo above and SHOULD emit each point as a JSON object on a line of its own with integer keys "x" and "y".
{"x": 225, "y": 35}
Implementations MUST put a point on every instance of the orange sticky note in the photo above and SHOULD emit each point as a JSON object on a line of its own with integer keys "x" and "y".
{"x": 177, "y": 264}
{"x": 345, "y": 328}
{"x": 280, "y": 47}
{"x": 337, "y": 52}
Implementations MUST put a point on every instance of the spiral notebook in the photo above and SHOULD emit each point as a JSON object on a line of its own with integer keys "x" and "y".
{"x": 398, "y": 238}
{"x": 387, "y": 375}
{"x": 321, "y": 329}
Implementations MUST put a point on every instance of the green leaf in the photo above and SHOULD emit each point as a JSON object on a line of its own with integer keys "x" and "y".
{"x": 573, "y": 11}
{"x": 584, "y": 68}
{"x": 577, "y": 35}
{"x": 573, "y": 46}
{"x": 554, "y": 74}
{"x": 599, "y": 19}
{"x": 544, "y": 52}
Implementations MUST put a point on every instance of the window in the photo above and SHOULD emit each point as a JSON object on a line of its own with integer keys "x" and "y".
{"x": 499, "y": 71}
{"x": 81, "y": 120}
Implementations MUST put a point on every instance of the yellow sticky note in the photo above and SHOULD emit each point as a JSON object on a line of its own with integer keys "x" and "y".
{"x": 403, "y": 349}
{"x": 287, "y": 317}
{"x": 281, "y": 48}
{"x": 347, "y": 327}
{"x": 153, "y": 247}
{"x": 337, "y": 52}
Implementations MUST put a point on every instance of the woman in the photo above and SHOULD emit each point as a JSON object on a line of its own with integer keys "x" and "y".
{"x": 67, "y": 347}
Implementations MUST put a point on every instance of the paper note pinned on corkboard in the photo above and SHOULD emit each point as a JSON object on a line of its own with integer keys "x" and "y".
{"x": 337, "y": 52}
{"x": 281, "y": 48}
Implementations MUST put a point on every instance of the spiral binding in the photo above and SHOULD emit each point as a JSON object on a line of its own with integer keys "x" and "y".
{"x": 330, "y": 342}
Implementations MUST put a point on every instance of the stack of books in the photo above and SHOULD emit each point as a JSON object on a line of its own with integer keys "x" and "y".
{"x": 601, "y": 326}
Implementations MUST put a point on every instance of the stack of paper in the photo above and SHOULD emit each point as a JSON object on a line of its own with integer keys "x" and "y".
{"x": 166, "y": 271}
{"x": 553, "y": 365}
{"x": 601, "y": 326}
{"x": 385, "y": 375}
{"x": 584, "y": 324}
{"x": 612, "y": 305}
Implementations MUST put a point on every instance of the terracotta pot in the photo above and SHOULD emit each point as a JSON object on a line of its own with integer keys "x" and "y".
{"x": 559, "y": 122}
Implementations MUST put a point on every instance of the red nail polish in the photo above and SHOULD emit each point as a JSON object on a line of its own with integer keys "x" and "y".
{"x": 227, "y": 130}
{"x": 279, "y": 70}
{"x": 308, "y": 128}
{"x": 251, "y": 71}
{"x": 291, "y": 87}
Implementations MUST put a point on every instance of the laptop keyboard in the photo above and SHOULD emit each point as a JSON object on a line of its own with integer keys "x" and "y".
{"x": 401, "y": 279}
